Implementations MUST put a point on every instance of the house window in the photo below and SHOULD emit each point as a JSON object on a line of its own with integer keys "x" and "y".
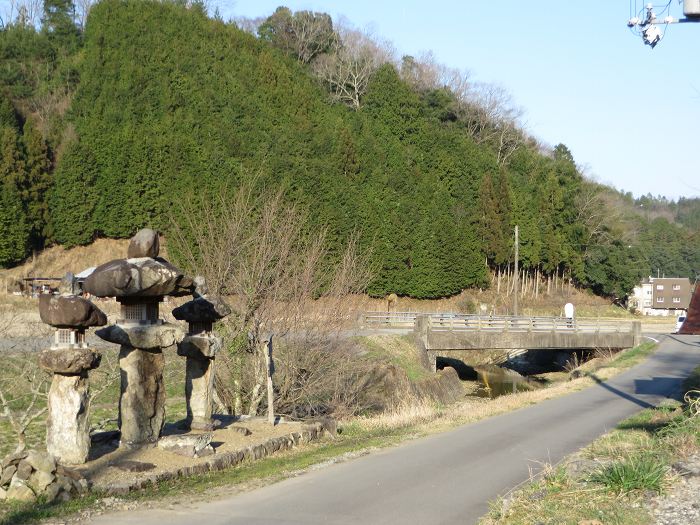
{"x": 676, "y": 286}
{"x": 647, "y": 303}
{"x": 659, "y": 286}
{"x": 648, "y": 292}
{"x": 659, "y": 299}
{"x": 676, "y": 299}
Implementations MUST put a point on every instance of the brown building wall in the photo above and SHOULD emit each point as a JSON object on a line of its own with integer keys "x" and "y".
{"x": 671, "y": 293}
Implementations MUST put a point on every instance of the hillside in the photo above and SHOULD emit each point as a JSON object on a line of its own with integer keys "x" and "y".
{"x": 57, "y": 260}
{"x": 156, "y": 105}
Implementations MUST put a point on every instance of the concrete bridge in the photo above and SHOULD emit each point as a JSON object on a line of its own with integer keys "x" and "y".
{"x": 437, "y": 334}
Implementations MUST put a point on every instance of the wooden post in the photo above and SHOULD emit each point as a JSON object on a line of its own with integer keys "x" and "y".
{"x": 270, "y": 371}
{"x": 515, "y": 288}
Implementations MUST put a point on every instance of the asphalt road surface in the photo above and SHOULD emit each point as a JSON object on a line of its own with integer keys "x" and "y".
{"x": 449, "y": 477}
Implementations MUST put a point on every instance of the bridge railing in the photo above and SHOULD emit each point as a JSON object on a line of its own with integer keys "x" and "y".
{"x": 469, "y": 322}
{"x": 527, "y": 324}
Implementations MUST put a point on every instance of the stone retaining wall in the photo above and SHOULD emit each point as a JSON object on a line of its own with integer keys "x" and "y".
{"x": 217, "y": 462}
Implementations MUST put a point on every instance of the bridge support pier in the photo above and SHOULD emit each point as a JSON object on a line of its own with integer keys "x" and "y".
{"x": 432, "y": 360}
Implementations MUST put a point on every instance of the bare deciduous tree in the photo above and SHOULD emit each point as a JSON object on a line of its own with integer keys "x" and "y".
{"x": 25, "y": 13}
{"x": 304, "y": 34}
{"x": 489, "y": 115}
{"x": 82, "y": 9}
{"x": 350, "y": 64}
{"x": 249, "y": 25}
{"x": 277, "y": 277}
{"x": 23, "y": 393}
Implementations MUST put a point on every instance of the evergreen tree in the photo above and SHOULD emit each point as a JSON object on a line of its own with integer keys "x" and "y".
{"x": 14, "y": 232}
{"x": 37, "y": 181}
{"x": 58, "y": 23}
{"x": 73, "y": 197}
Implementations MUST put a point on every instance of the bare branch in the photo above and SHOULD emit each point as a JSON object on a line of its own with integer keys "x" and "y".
{"x": 347, "y": 69}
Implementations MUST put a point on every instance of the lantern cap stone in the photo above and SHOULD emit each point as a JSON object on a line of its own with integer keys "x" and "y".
{"x": 202, "y": 310}
{"x": 61, "y": 311}
{"x": 141, "y": 277}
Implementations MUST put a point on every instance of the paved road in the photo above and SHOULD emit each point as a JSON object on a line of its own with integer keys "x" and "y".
{"x": 446, "y": 478}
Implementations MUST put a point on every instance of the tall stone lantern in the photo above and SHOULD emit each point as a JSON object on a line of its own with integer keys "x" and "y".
{"x": 139, "y": 283}
{"x": 69, "y": 359}
{"x": 200, "y": 346}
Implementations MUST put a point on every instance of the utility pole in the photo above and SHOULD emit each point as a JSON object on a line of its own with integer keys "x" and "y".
{"x": 517, "y": 283}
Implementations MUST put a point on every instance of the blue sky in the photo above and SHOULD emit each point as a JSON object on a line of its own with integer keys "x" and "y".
{"x": 629, "y": 113}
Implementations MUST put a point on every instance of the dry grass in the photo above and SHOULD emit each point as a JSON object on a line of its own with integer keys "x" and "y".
{"x": 56, "y": 261}
{"x": 403, "y": 416}
{"x": 428, "y": 417}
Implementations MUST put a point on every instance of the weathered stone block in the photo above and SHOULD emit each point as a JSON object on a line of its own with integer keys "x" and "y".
{"x": 144, "y": 244}
{"x": 7, "y": 474}
{"x": 39, "y": 480}
{"x": 241, "y": 430}
{"x": 19, "y": 491}
{"x": 67, "y": 428}
{"x": 69, "y": 361}
{"x": 51, "y": 492}
{"x": 145, "y": 337}
{"x": 142, "y": 400}
{"x": 199, "y": 391}
{"x": 42, "y": 461}
{"x": 190, "y": 445}
{"x": 199, "y": 346}
{"x": 133, "y": 466}
{"x": 13, "y": 459}
{"x": 24, "y": 470}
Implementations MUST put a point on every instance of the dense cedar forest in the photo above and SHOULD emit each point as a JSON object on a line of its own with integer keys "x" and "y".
{"x": 110, "y": 122}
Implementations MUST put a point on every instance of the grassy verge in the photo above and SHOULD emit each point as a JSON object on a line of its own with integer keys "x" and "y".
{"x": 610, "y": 480}
{"x": 358, "y": 436}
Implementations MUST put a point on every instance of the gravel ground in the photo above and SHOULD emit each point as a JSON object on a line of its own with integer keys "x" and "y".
{"x": 681, "y": 505}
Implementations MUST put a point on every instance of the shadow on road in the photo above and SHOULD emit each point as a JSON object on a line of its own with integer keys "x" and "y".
{"x": 620, "y": 393}
{"x": 686, "y": 340}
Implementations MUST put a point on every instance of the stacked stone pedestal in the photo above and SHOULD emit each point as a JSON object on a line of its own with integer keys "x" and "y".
{"x": 142, "y": 396}
{"x": 141, "y": 362}
{"x": 200, "y": 351}
{"x": 68, "y": 428}
{"x": 69, "y": 360}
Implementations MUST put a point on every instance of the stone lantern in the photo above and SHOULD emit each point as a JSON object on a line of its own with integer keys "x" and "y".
{"x": 200, "y": 346}
{"x": 69, "y": 359}
{"x": 139, "y": 283}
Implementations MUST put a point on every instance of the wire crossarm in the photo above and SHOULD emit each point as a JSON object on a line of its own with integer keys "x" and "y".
{"x": 648, "y": 25}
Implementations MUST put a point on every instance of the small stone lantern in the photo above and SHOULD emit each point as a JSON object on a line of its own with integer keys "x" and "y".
{"x": 200, "y": 347}
{"x": 69, "y": 359}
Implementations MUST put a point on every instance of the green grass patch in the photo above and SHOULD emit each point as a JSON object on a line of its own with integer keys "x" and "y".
{"x": 631, "y": 357}
{"x": 693, "y": 381}
{"x": 639, "y": 472}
